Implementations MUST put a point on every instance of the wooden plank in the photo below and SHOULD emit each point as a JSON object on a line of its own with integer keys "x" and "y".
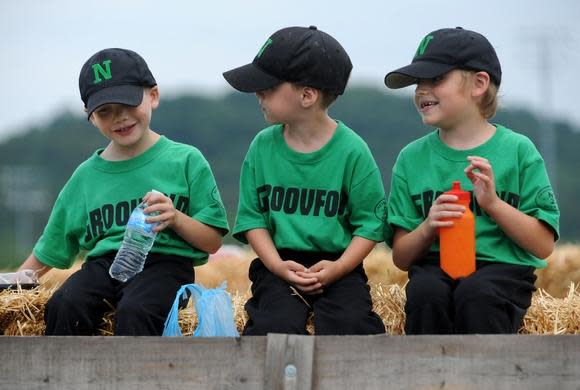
{"x": 321, "y": 362}
{"x": 131, "y": 363}
{"x": 289, "y": 362}
{"x": 448, "y": 362}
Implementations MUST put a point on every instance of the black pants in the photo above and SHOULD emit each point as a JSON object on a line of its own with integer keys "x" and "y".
{"x": 494, "y": 299}
{"x": 142, "y": 303}
{"x": 344, "y": 307}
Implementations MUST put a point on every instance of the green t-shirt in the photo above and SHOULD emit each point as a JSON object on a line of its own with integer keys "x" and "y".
{"x": 426, "y": 167}
{"x": 311, "y": 201}
{"x": 93, "y": 208}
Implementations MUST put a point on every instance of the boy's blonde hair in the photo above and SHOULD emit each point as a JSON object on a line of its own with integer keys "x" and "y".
{"x": 489, "y": 101}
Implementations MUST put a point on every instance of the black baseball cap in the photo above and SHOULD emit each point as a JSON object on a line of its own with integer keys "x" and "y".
{"x": 114, "y": 76}
{"x": 300, "y": 55}
{"x": 444, "y": 50}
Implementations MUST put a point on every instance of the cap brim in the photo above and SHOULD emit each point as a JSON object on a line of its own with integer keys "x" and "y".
{"x": 408, "y": 75}
{"x": 250, "y": 78}
{"x": 130, "y": 95}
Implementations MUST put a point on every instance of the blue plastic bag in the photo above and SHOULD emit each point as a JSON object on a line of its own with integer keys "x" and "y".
{"x": 215, "y": 314}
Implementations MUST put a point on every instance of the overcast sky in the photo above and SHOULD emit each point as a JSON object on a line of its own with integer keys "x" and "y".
{"x": 188, "y": 44}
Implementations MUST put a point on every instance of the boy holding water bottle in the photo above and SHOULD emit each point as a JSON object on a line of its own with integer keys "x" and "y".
{"x": 90, "y": 214}
{"x": 457, "y": 75}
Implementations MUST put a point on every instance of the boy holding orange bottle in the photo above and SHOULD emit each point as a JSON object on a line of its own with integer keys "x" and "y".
{"x": 457, "y": 75}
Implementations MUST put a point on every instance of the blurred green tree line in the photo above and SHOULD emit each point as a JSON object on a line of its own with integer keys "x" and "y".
{"x": 35, "y": 164}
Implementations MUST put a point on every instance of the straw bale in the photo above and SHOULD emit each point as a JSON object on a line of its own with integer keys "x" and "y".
{"x": 380, "y": 268}
{"x": 21, "y": 312}
{"x": 555, "y": 306}
{"x": 56, "y": 277}
{"x": 389, "y": 304}
{"x": 233, "y": 269}
{"x": 549, "y": 315}
{"x": 563, "y": 268}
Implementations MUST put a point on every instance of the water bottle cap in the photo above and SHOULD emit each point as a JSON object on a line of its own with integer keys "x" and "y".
{"x": 463, "y": 196}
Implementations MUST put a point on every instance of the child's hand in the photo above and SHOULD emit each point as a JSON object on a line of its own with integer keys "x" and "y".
{"x": 168, "y": 215}
{"x": 444, "y": 207}
{"x": 298, "y": 276}
{"x": 480, "y": 173}
{"x": 325, "y": 271}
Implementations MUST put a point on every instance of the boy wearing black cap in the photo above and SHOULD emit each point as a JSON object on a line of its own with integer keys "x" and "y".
{"x": 457, "y": 75}
{"x": 90, "y": 213}
{"x": 311, "y": 196}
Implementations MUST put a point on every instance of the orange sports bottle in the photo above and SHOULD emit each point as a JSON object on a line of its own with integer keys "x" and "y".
{"x": 457, "y": 242}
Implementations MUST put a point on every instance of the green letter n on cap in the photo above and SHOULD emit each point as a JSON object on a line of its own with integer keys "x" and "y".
{"x": 99, "y": 71}
{"x": 264, "y": 46}
{"x": 423, "y": 45}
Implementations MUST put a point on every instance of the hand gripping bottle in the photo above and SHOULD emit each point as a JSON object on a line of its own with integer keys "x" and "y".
{"x": 138, "y": 240}
{"x": 457, "y": 242}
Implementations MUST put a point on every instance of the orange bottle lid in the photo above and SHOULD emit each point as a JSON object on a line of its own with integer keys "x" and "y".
{"x": 462, "y": 196}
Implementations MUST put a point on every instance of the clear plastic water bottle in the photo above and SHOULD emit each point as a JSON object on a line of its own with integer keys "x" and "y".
{"x": 138, "y": 240}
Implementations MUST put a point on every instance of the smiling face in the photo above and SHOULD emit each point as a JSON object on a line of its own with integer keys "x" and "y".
{"x": 127, "y": 126}
{"x": 447, "y": 100}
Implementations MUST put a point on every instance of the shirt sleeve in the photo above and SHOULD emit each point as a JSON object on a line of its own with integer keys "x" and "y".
{"x": 537, "y": 197}
{"x": 388, "y": 231}
{"x": 206, "y": 203}
{"x": 366, "y": 204}
{"x": 249, "y": 214}
{"x": 401, "y": 211}
{"x": 59, "y": 243}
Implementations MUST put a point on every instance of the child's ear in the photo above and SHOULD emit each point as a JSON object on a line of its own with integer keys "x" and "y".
{"x": 309, "y": 96}
{"x": 154, "y": 95}
{"x": 481, "y": 81}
